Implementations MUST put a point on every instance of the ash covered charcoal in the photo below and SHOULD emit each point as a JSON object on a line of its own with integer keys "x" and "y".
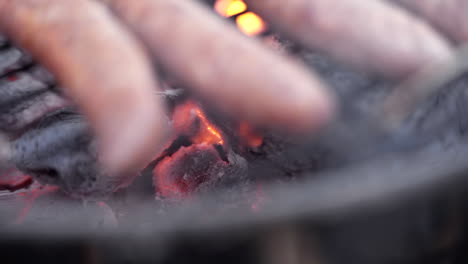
{"x": 25, "y": 99}
{"x": 60, "y": 151}
{"x": 51, "y": 142}
{"x": 13, "y": 59}
{"x": 182, "y": 173}
{"x": 27, "y": 91}
{"x": 196, "y": 168}
{"x": 41, "y": 74}
{"x": 3, "y": 40}
{"x": 199, "y": 159}
{"x": 439, "y": 122}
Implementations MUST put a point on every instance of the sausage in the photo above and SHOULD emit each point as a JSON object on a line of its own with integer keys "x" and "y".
{"x": 448, "y": 15}
{"x": 238, "y": 74}
{"x": 370, "y": 35}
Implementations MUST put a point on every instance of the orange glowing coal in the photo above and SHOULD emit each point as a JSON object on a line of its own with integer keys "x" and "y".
{"x": 248, "y": 135}
{"x": 248, "y": 22}
{"x": 229, "y": 8}
{"x": 180, "y": 173}
{"x": 190, "y": 120}
{"x": 198, "y": 153}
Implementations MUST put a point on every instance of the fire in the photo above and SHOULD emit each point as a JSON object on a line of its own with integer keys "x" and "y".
{"x": 198, "y": 153}
{"x": 179, "y": 173}
{"x": 190, "y": 120}
{"x": 248, "y": 22}
{"x": 213, "y": 136}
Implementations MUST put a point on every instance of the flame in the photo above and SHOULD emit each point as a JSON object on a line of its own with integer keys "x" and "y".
{"x": 185, "y": 120}
{"x": 249, "y": 23}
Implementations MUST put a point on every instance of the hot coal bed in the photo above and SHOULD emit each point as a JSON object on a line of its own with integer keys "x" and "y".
{"x": 223, "y": 191}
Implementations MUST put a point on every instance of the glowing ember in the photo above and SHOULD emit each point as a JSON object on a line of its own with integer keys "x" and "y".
{"x": 249, "y": 23}
{"x": 14, "y": 180}
{"x": 229, "y": 8}
{"x": 179, "y": 173}
{"x": 212, "y": 136}
{"x": 190, "y": 120}
{"x": 185, "y": 171}
{"x": 248, "y": 136}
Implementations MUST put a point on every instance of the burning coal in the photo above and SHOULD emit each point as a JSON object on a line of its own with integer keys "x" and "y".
{"x": 198, "y": 156}
{"x": 13, "y": 180}
{"x": 190, "y": 120}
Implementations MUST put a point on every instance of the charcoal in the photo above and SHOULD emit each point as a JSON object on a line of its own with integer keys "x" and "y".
{"x": 60, "y": 151}
{"x": 195, "y": 168}
{"x": 3, "y": 40}
{"x": 43, "y": 75}
{"x": 13, "y": 59}
{"x": 24, "y": 100}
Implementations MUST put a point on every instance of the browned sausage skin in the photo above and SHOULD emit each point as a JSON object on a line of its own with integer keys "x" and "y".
{"x": 371, "y": 35}
{"x": 236, "y": 73}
